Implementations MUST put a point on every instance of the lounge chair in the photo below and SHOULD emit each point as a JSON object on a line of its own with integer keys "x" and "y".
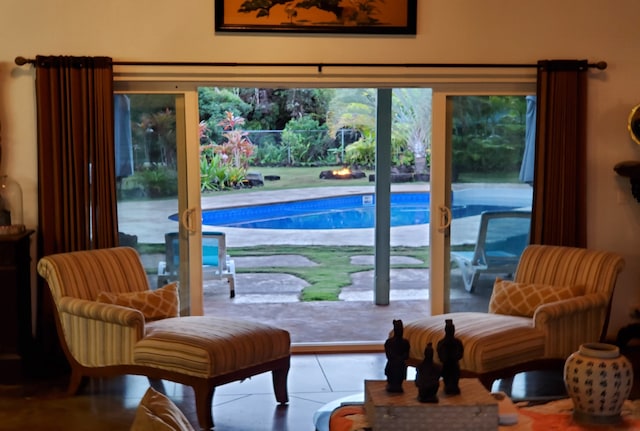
{"x": 110, "y": 323}
{"x": 559, "y": 299}
{"x": 502, "y": 237}
{"x": 217, "y": 263}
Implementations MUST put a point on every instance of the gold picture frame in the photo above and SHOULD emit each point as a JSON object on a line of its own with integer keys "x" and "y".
{"x": 317, "y": 16}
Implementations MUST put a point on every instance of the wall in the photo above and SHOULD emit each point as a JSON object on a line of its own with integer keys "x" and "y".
{"x": 490, "y": 31}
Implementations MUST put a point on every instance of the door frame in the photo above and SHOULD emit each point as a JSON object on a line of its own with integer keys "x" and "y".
{"x": 443, "y": 82}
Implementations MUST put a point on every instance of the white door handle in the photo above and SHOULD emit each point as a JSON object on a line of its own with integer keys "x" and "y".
{"x": 187, "y": 220}
{"x": 445, "y": 217}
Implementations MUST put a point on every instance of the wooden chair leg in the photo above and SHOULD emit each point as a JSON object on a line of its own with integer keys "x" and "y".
{"x": 204, "y": 397}
{"x": 75, "y": 382}
{"x": 279, "y": 377}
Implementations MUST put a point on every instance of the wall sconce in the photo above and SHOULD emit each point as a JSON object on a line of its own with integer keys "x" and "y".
{"x": 631, "y": 170}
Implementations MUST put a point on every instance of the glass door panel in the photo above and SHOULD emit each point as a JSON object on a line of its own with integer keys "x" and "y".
{"x": 153, "y": 215}
{"x": 490, "y": 199}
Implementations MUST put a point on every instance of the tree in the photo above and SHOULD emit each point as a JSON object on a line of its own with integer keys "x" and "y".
{"x": 488, "y": 133}
{"x": 353, "y": 108}
{"x": 411, "y": 131}
{"x": 412, "y": 122}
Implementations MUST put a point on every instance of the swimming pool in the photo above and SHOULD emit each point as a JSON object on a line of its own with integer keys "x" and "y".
{"x": 355, "y": 211}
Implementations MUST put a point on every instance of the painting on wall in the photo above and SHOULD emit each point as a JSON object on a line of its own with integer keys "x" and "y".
{"x": 317, "y": 16}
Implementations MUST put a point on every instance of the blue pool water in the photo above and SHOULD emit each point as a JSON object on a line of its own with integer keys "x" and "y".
{"x": 353, "y": 212}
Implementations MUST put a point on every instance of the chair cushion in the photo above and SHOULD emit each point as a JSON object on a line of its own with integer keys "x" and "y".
{"x": 491, "y": 341}
{"x": 153, "y": 304}
{"x": 156, "y": 412}
{"x": 522, "y": 299}
{"x": 206, "y": 346}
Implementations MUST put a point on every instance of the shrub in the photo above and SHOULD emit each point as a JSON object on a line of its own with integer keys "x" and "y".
{"x": 361, "y": 153}
{"x": 306, "y": 141}
{"x": 155, "y": 181}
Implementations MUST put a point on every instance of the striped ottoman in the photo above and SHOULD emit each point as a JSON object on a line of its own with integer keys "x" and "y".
{"x": 217, "y": 351}
{"x": 492, "y": 342}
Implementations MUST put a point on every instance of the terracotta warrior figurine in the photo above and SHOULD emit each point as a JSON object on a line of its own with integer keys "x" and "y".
{"x": 428, "y": 377}
{"x": 397, "y": 350}
{"x": 450, "y": 351}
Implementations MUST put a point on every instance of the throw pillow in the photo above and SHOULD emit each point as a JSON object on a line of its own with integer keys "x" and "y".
{"x": 153, "y": 304}
{"x": 522, "y": 299}
{"x": 156, "y": 412}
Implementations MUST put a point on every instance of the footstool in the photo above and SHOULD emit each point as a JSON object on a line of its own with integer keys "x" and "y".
{"x": 493, "y": 343}
{"x": 205, "y": 352}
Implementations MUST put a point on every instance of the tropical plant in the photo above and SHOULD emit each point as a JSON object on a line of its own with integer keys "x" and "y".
{"x": 224, "y": 165}
{"x": 214, "y": 103}
{"x": 237, "y": 148}
{"x": 213, "y": 173}
{"x": 154, "y": 138}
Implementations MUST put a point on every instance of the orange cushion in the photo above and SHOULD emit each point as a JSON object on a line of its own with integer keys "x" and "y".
{"x": 153, "y": 304}
{"x": 522, "y": 299}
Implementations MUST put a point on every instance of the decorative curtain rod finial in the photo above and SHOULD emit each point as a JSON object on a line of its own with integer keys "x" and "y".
{"x": 21, "y": 61}
{"x": 601, "y": 65}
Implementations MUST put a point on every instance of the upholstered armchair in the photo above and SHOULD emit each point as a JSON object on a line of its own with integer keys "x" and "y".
{"x": 560, "y": 298}
{"x": 110, "y": 323}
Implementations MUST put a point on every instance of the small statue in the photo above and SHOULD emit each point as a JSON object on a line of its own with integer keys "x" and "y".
{"x": 397, "y": 350}
{"x": 428, "y": 377}
{"x": 450, "y": 351}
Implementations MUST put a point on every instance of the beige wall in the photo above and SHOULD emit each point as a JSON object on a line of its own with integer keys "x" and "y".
{"x": 488, "y": 31}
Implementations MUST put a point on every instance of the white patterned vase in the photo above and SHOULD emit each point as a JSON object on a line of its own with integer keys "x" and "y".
{"x": 598, "y": 380}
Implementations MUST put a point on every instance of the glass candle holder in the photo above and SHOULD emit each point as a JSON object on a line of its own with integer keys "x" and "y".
{"x": 10, "y": 207}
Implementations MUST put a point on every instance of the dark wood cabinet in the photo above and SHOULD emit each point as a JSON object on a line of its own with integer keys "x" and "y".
{"x": 16, "y": 339}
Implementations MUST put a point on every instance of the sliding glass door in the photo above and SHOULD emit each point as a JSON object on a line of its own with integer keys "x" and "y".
{"x": 441, "y": 172}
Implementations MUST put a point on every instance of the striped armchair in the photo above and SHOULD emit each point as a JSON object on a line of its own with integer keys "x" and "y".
{"x": 108, "y": 337}
{"x": 560, "y": 298}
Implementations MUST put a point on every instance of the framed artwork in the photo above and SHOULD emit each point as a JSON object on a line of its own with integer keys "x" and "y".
{"x": 317, "y": 16}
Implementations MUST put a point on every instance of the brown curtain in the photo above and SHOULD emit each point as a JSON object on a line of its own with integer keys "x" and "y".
{"x": 76, "y": 155}
{"x": 76, "y": 172}
{"x": 559, "y": 194}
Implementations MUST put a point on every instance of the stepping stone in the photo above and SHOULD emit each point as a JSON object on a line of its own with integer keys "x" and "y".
{"x": 273, "y": 261}
{"x": 258, "y": 288}
{"x": 394, "y": 260}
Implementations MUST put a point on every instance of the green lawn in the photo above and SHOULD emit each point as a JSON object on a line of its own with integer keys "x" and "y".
{"x": 297, "y": 178}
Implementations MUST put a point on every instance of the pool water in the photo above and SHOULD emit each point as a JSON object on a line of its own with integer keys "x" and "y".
{"x": 340, "y": 212}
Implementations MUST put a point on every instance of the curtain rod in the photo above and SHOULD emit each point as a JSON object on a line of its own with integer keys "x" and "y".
{"x": 600, "y": 65}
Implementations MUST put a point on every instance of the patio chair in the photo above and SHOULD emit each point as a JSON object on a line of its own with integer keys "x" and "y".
{"x": 502, "y": 236}
{"x": 217, "y": 263}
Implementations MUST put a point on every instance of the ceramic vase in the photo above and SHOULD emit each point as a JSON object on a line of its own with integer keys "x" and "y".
{"x": 598, "y": 380}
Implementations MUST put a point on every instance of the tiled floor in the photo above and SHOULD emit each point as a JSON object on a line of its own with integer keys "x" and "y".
{"x": 314, "y": 380}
